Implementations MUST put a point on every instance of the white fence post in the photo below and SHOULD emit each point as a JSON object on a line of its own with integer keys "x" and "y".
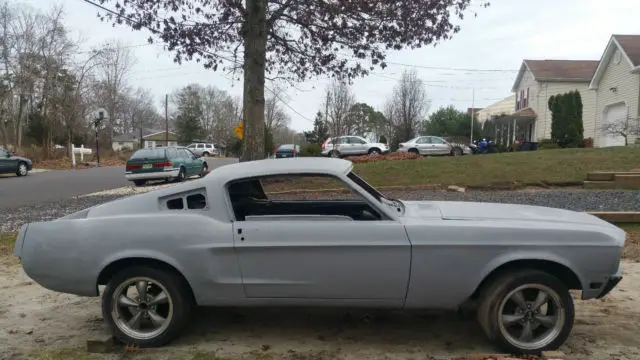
{"x": 82, "y": 152}
{"x": 73, "y": 157}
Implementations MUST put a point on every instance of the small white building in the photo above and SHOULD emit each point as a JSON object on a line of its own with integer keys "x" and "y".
{"x": 504, "y": 106}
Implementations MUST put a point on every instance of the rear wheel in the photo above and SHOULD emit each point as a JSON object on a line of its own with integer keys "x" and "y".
{"x": 206, "y": 153}
{"x": 139, "y": 182}
{"x": 414, "y": 151}
{"x": 334, "y": 153}
{"x": 182, "y": 175}
{"x": 22, "y": 169}
{"x": 146, "y": 306}
{"x": 526, "y": 312}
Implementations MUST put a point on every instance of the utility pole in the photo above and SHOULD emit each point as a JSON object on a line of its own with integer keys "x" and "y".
{"x": 166, "y": 119}
{"x": 473, "y": 112}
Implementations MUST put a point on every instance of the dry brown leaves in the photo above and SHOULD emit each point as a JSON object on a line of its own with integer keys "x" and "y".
{"x": 396, "y": 156}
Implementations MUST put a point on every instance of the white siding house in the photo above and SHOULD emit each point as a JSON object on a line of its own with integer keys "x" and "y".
{"x": 616, "y": 84}
{"x": 535, "y": 83}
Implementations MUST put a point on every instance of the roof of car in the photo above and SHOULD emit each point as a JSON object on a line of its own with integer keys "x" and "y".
{"x": 267, "y": 167}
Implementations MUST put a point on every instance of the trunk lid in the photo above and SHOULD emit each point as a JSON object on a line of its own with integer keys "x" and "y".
{"x": 147, "y": 160}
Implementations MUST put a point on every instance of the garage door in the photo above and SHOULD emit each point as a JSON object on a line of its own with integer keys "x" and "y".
{"x": 613, "y": 114}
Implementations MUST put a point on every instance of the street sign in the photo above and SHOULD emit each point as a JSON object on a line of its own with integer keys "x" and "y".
{"x": 238, "y": 130}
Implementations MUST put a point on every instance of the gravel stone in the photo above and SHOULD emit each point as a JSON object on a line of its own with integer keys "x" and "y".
{"x": 574, "y": 199}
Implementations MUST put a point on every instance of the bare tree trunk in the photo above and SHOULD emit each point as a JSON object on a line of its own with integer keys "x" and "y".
{"x": 255, "y": 34}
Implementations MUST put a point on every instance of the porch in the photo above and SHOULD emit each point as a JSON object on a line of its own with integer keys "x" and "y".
{"x": 520, "y": 126}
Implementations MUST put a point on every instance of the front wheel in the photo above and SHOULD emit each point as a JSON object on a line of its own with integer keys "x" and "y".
{"x": 145, "y": 306}
{"x": 526, "y": 312}
{"x": 22, "y": 169}
{"x": 139, "y": 182}
{"x": 375, "y": 151}
{"x": 456, "y": 151}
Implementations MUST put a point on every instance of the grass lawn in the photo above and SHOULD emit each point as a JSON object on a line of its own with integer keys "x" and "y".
{"x": 519, "y": 168}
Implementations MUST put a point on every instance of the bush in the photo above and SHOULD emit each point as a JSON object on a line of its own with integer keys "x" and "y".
{"x": 396, "y": 156}
{"x": 311, "y": 150}
{"x": 547, "y": 144}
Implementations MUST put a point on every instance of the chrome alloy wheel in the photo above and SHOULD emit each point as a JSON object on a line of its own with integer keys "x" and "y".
{"x": 531, "y": 316}
{"x": 141, "y": 308}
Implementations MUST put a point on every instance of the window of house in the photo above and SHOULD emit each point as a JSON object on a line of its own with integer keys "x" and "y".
{"x": 291, "y": 196}
{"x": 517, "y": 101}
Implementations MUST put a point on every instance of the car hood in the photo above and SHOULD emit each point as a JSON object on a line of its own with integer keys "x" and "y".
{"x": 20, "y": 158}
{"x": 479, "y": 211}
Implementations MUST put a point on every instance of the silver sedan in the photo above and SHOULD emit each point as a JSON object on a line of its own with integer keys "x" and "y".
{"x": 433, "y": 145}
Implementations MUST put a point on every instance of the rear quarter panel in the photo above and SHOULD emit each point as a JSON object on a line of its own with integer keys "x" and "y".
{"x": 450, "y": 258}
{"x": 68, "y": 255}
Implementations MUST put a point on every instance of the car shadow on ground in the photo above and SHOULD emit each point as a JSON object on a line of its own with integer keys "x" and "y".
{"x": 287, "y": 330}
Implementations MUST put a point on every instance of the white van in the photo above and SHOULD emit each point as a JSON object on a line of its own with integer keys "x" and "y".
{"x": 203, "y": 149}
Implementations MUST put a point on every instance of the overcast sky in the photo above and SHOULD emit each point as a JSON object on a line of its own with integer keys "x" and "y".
{"x": 497, "y": 39}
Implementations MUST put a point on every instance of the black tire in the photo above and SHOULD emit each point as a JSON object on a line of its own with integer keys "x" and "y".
{"x": 205, "y": 170}
{"x": 177, "y": 291}
{"x": 375, "y": 151}
{"x": 494, "y": 295}
{"x": 456, "y": 151}
{"x": 206, "y": 153}
{"x": 414, "y": 151}
{"x": 22, "y": 169}
{"x": 334, "y": 154}
{"x": 139, "y": 182}
{"x": 182, "y": 175}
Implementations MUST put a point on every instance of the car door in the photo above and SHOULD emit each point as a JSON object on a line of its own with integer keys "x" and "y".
{"x": 341, "y": 144}
{"x": 358, "y": 145}
{"x": 191, "y": 162}
{"x": 424, "y": 146}
{"x": 441, "y": 147}
{"x": 5, "y": 162}
{"x": 323, "y": 257}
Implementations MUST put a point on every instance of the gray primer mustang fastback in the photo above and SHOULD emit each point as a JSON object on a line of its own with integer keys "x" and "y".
{"x": 516, "y": 262}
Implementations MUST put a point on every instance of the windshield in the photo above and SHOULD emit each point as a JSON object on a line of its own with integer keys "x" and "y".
{"x": 396, "y": 204}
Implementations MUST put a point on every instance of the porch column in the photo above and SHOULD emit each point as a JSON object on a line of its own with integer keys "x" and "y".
{"x": 513, "y": 139}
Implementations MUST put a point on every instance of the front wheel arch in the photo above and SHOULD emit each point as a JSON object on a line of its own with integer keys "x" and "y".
{"x": 115, "y": 267}
{"x": 567, "y": 276}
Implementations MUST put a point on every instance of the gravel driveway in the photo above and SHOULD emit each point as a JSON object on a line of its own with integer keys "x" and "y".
{"x": 578, "y": 200}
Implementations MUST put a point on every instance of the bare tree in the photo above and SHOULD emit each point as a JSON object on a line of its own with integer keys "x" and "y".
{"x": 274, "y": 115}
{"x": 624, "y": 127}
{"x": 115, "y": 64}
{"x": 338, "y": 102}
{"x": 408, "y": 106}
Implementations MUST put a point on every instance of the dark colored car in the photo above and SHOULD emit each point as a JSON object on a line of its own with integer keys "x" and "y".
{"x": 286, "y": 151}
{"x": 164, "y": 163}
{"x": 10, "y": 163}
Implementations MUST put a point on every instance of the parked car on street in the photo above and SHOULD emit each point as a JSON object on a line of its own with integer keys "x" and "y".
{"x": 224, "y": 241}
{"x": 351, "y": 145}
{"x": 10, "y": 163}
{"x": 434, "y": 145}
{"x": 286, "y": 151}
{"x": 164, "y": 163}
{"x": 203, "y": 149}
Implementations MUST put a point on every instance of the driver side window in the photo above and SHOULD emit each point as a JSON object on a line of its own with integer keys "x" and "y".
{"x": 298, "y": 197}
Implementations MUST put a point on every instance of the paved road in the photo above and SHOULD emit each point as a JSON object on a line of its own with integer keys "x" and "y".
{"x": 60, "y": 185}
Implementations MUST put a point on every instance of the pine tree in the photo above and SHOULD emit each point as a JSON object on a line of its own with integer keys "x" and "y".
{"x": 189, "y": 115}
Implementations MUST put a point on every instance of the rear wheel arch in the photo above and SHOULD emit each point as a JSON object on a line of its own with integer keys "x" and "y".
{"x": 115, "y": 267}
{"x": 565, "y": 274}
{"x": 414, "y": 150}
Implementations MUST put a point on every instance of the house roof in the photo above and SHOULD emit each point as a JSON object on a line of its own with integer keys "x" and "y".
{"x": 629, "y": 46}
{"x": 557, "y": 70}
